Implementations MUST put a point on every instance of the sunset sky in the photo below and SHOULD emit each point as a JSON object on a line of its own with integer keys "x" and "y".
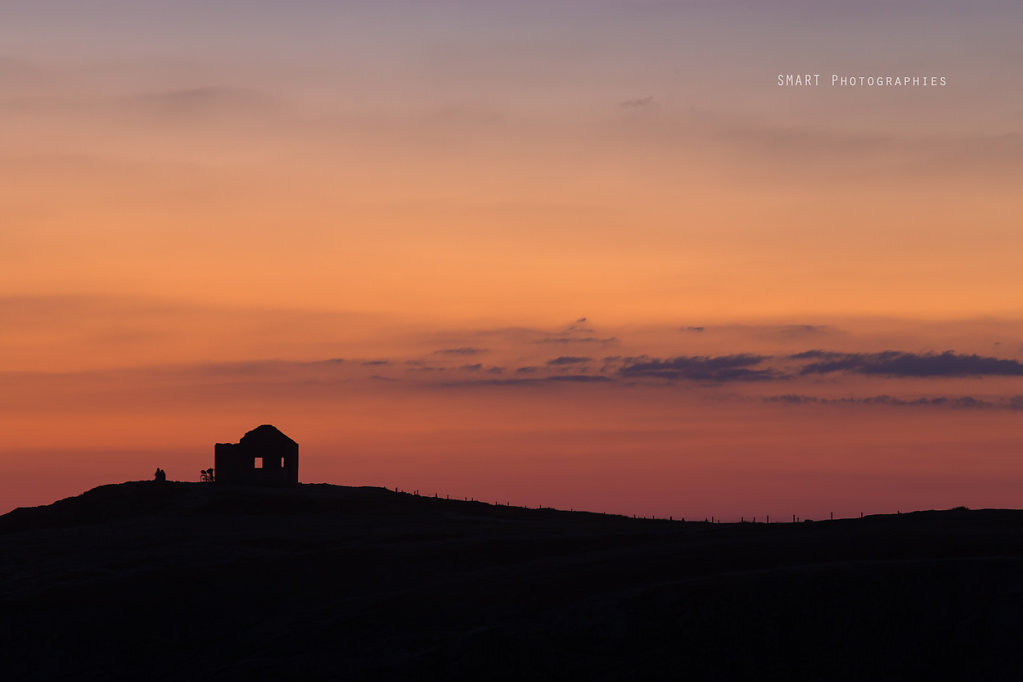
{"x": 578, "y": 254}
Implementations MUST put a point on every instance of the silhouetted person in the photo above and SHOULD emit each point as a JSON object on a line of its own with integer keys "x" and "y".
{"x": 160, "y": 476}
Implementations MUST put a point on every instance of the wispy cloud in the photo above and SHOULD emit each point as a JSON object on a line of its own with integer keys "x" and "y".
{"x": 201, "y": 102}
{"x": 464, "y": 350}
{"x": 577, "y": 339}
{"x": 638, "y": 102}
{"x": 537, "y": 381}
{"x": 958, "y": 402}
{"x": 798, "y": 330}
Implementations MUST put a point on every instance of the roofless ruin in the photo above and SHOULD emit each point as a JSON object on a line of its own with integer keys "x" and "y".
{"x": 263, "y": 456}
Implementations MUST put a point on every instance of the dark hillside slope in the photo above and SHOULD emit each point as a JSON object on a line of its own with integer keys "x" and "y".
{"x": 194, "y": 581}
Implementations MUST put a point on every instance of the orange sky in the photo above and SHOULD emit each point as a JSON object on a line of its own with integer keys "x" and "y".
{"x": 203, "y": 207}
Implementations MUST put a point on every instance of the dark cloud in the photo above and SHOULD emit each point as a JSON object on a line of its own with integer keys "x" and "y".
{"x": 580, "y": 320}
{"x": 961, "y": 402}
{"x": 465, "y": 350}
{"x": 899, "y": 364}
{"x": 568, "y": 360}
{"x": 375, "y": 363}
{"x": 693, "y": 329}
{"x": 472, "y": 368}
{"x": 495, "y": 370}
{"x": 526, "y": 370}
{"x": 818, "y": 355}
{"x": 701, "y": 368}
{"x": 582, "y": 378}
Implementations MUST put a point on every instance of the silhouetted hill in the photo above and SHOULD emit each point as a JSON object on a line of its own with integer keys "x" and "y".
{"x": 196, "y": 581}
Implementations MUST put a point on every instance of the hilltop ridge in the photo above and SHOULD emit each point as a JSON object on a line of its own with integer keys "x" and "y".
{"x": 120, "y": 501}
{"x": 332, "y": 582}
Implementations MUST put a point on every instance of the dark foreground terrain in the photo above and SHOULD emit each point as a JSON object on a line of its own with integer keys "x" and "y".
{"x": 190, "y": 581}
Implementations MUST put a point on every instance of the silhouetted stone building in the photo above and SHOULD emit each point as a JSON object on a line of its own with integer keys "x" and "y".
{"x": 264, "y": 456}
